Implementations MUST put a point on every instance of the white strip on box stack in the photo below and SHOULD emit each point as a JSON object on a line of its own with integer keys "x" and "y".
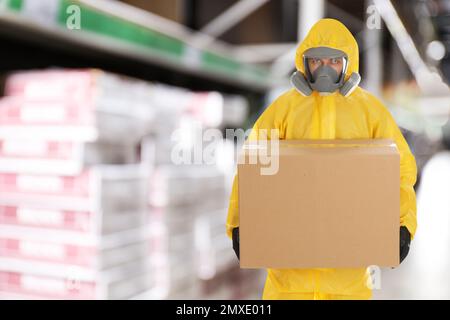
{"x": 73, "y": 194}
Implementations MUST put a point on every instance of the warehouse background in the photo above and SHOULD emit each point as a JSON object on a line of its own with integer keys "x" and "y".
{"x": 97, "y": 94}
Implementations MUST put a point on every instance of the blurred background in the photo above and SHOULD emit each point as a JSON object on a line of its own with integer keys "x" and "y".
{"x": 98, "y": 97}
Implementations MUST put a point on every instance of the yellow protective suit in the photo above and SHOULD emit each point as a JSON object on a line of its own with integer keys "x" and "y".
{"x": 358, "y": 116}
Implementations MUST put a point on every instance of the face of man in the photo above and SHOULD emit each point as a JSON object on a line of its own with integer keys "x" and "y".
{"x": 336, "y": 63}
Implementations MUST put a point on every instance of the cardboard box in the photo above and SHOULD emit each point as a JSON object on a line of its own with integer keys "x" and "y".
{"x": 332, "y": 203}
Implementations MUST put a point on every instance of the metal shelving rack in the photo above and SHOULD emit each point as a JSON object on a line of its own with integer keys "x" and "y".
{"x": 123, "y": 39}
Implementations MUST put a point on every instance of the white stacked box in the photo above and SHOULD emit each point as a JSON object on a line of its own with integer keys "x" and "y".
{"x": 61, "y": 157}
{"x": 76, "y": 105}
{"x": 182, "y": 185}
{"x": 182, "y": 192}
{"x": 72, "y": 193}
{"x": 215, "y": 254}
{"x": 102, "y": 199}
{"x": 49, "y": 281}
{"x": 180, "y": 120}
{"x": 96, "y": 230}
{"x": 71, "y": 249}
{"x": 178, "y": 196}
{"x": 235, "y": 111}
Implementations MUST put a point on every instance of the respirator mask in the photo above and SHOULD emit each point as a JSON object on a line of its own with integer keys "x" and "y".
{"x": 324, "y": 79}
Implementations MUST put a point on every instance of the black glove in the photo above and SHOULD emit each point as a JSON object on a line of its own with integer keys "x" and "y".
{"x": 405, "y": 240}
{"x": 235, "y": 237}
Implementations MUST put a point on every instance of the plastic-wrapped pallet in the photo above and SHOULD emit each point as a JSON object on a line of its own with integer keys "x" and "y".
{"x": 173, "y": 185}
{"x": 92, "y": 232}
{"x": 204, "y": 107}
{"x": 233, "y": 283}
{"x": 172, "y": 257}
{"x": 173, "y": 271}
{"x": 73, "y": 194}
{"x": 65, "y": 248}
{"x": 104, "y": 188}
{"x": 92, "y": 221}
{"x": 75, "y": 105}
{"x": 61, "y": 157}
{"x": 214, "y": 248}
{"x": 235, "y": 111}
{"x": 178, "y": 196}
{"x": 47, "y": 281}
{"x": 181, "y": 117}
{"x": 103, "y": 200}
{"x": 180, "y": 134}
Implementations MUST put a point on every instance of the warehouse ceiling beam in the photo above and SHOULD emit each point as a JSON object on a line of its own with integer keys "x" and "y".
{"x": 348, "y": 19}
{"x": 430, "y": 82}
{"x": 308, "y": 14}
{"x": 228, "y": 19}
{"x": 153, "y": 21}
{"x": 150, "y": 41}
{"x": 199, "y": 39}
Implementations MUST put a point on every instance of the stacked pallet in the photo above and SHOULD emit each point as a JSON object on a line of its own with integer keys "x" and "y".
{"x": 72, "y": 190}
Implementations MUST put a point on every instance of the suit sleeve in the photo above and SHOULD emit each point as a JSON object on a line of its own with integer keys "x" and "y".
{"x": 262, "y": 127}
{"x": 387, "y": 128}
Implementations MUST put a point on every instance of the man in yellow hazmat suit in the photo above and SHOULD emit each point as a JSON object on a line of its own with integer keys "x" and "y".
{"x": 327, "y": 103}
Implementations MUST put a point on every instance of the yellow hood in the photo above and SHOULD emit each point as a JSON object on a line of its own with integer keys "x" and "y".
{"x": 333, "y": 34}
